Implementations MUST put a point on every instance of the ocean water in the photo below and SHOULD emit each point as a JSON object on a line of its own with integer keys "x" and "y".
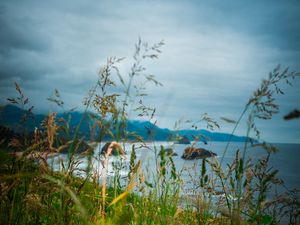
{"x": 286, "y": 160}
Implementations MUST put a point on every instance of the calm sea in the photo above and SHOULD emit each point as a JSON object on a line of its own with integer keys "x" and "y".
{"x": 286, "y": 160}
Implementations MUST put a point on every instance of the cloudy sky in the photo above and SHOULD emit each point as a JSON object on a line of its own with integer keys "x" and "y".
{"x": 215, "y": 53}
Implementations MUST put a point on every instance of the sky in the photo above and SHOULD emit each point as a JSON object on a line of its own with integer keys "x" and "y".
{"x": 215, "y": 55}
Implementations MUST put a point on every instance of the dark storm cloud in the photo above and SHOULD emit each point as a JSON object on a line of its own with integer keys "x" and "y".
{"x": 276, "y": 21}
{"x": 22, "y": 47}
{"x": 216, "y": 52}
{"x": 32, "y": 49}
{"x": 19, "y": 35}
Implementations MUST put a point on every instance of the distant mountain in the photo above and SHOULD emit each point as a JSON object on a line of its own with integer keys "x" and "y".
{"x": 148, "y": 130}
{"x": 205, "y": 135}
{"x": 11, "y": 116}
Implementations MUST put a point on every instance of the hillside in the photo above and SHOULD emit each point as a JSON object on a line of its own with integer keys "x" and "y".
{"x": 10, "y": 116}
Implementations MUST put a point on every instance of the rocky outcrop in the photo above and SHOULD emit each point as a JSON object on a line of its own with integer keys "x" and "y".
{"x": 197, "y": 153}
{"x": 170, "y": 152}
{"x": 116, "y": 149}
{"x": 80, "y": 147}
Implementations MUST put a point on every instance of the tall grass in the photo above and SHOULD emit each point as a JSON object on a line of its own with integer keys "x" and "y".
{"x": 33, "y": 192}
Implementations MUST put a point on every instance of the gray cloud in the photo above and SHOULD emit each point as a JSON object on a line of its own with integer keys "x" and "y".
{"x": 216, "y": 52}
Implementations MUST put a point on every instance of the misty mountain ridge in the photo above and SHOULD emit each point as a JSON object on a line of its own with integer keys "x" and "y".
{"x": 10, "y": 116}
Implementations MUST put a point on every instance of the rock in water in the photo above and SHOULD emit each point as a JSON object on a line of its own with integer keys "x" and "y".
{"x": 197, "y": 153}
{"x": 80, "y": 147}
{"x": 104, "y": 149}
{"x": 170, "y": 152}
